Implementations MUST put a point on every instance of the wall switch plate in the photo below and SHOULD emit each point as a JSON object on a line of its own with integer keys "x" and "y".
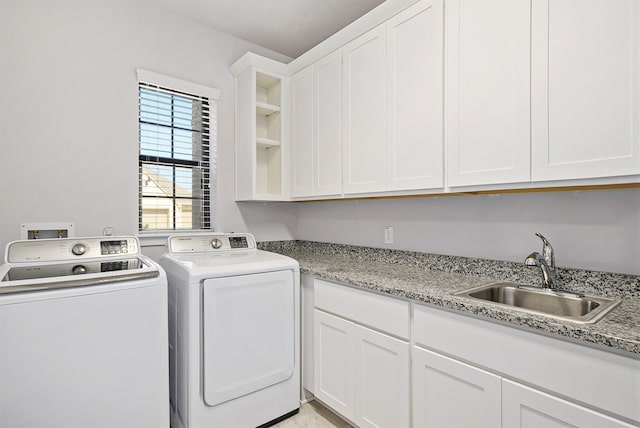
{"x": 388, "y": 235}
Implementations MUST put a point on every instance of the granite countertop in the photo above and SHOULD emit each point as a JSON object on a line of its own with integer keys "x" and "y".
{"x": 432, "y": 279}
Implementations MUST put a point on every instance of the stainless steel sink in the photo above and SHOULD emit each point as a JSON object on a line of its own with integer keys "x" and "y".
{"x": 566, "y": 306}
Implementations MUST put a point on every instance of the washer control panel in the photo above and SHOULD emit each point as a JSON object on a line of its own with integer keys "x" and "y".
{"x": 45, "y": 250}
{"x": 211, "y": 243}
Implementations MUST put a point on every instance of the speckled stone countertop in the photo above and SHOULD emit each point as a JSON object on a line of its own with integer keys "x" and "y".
{"x": 432, "y": 279}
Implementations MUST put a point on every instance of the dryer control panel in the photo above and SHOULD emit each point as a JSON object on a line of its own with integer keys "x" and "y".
{"x": 211, "y": 243}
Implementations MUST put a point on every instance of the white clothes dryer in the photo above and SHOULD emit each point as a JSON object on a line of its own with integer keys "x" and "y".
{"x": 234, "y": 317}
{"x": 83, "y": 332}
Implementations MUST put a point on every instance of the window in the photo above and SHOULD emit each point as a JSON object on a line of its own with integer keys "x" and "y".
{"x": 177, "y": 129}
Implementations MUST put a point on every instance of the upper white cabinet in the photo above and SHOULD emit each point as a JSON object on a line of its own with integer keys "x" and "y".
{"x": 364, "y": 126}
{"x": 415, "y": 97}
{"x": 488, "y": 91}
{"x": 261, "y": 131}
{"x": 327, "y": 134}
{"x": 302, "y": 133}
{"x": 543, "y": 90}
{"x": 317, "y": 129}
{"x": 534, "y": 93}
{"x": 393, "y": 104}
{"x": 586, "y": 89}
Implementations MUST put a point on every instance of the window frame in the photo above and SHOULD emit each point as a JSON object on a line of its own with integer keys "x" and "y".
{"x": 209, "y": 96}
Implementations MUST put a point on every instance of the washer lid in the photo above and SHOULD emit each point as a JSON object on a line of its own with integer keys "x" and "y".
{"x": 19, "y": 278}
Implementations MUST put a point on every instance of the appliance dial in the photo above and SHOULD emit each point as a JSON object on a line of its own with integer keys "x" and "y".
{"x": 216, "y": 243}
{"x": 79, "y": 269}
{"x": 79, "y": 249}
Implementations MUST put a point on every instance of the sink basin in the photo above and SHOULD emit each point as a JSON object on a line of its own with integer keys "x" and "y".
{"x": 566, "y": 306}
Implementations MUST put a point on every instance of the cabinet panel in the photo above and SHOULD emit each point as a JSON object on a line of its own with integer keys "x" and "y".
{"x": 306, "y": 351}
{"x": 524, "y": 407}
{"x": 245, "y": 155}
{"x": 488, "y": 91}
{"x": 364, "y": 132}
{"x": 380, "y": 312}
{"x": 328, "y": 125}
{"x": 334, "y": 357}
{"x": 302, "y": 133}
{"x": 382, "y": 380}
{"x": 415, "y": 84}
{"x": 586, "y": 86}
{"x": 448, "y": 393}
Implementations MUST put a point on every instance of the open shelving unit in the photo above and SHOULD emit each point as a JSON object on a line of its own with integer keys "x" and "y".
{"x": 268, "y": 142}
{"x": 261, "y": 145}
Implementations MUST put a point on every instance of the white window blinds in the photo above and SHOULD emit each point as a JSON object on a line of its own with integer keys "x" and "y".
{"x": 176, "y": 159}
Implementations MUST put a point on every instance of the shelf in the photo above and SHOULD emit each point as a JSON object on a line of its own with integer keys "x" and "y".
{"x": 266, "y": 109}
{"x": 266, "y": 142}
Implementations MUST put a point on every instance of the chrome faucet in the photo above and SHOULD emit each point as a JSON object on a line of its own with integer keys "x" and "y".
{"x": 546, "y": 262}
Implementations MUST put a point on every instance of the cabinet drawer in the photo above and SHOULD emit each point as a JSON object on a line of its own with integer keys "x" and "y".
{"x": 379, "y": 312}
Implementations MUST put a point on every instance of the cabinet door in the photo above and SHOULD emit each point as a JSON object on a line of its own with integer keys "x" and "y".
{"x": 524, "y": 407}
{"x": 334, "y": 341}
{"x": 415, "y": 86}
{"x": 488, "y": 91}
{"x": 448, "y": 393}
{"x": 302, "y": 133}
{"x": 364, "y": 102}
{"x": 586, "y": 86}
{"x": 381, "y": 380}
{"x": 328, "y": 125}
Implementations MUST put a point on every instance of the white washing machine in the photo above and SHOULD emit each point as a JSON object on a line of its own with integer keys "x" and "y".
{"x": 234, "y": 317}
{"x": 83, "y": 334}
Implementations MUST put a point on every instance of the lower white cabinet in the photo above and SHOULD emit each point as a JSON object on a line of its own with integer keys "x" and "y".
{"x": 471, "y": 373}
{"x": 451, "y": 370}
{"x": 360, "y": 373}
{"x": 524, "y": 407}
{"x": 382, "y": 380}
{"x": 451, "y": 394}
{"x": 361, "y": 355}
{"x": 334, "y": 363}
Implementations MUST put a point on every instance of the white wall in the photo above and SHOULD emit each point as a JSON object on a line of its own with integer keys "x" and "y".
{"x": 596, "y": 230}
{"x": 68, "y": 112}
{"x": 68, "y": 149}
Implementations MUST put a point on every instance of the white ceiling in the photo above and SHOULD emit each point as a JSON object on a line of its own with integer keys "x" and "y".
{"x": 290, "y": 27}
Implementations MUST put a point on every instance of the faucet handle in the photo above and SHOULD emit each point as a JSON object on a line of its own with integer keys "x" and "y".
{"x": 532, "y": 259}
{"x": 547, "y": 251}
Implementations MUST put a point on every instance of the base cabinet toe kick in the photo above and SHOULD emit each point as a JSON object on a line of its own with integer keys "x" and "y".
{"x": 380, "y": 361}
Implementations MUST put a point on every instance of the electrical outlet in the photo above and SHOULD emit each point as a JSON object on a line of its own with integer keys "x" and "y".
{"x": 388, "y": 235}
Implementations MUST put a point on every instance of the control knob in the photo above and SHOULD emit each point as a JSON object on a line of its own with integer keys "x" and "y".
{"x": 79, "y": 269}
{"x": 79, "y": 249}
{"x": 216, "y": 243}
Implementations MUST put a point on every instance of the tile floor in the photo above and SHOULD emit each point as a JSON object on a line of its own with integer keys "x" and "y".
{"x": 313, "y": 415}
